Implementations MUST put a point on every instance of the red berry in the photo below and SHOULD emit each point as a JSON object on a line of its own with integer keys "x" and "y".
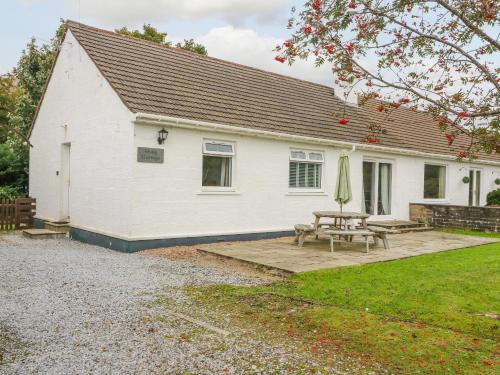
{"x": 449, "y": 138}
{"x": 395, "y": 105}
{"x": 308, "y": 29}
{"x": 380, "y": 108}
{"x": 463, "y": 114}
{"x": 440, "y": 120}
{"x": 342, "y": 78}
{"x": 329, "y": 48}
{"x": 405, "y": 100}
{"x": 372, "y": 139}
{"x": 287, "y": 43}
{"x": 343, "y": 121}
{"x": 352, "y": 5}
{"x": 280, "y": 59}
{"x": 316, "y": 4}
{"x": 462, "y": 154}
{"x": 349, "y": 46}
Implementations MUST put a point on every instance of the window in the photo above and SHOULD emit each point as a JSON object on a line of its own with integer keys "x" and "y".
{"x": 305, "y": 169}
{"x": 377, "y": 188}
{"x": 217, "y": 164}
{"x": 434, "y": 181}
{"x": 474, "y": 187}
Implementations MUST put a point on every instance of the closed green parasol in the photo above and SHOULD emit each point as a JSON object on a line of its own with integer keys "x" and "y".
{"x": 343, "y": 193}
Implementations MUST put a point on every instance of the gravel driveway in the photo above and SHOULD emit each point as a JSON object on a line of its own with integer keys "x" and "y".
{"x": 72, "y": 308}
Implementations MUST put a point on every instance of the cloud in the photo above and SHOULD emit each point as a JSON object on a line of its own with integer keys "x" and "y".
{"x": 245, "y": 46}
{"x": 133, "y": 12}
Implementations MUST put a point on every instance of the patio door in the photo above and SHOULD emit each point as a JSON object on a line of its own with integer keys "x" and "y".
{"x": 474, "y": 187}
{"x": 377, "y": 188}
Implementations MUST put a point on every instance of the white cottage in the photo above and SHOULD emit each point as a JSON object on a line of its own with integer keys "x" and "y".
{"x": 165, "y": 147}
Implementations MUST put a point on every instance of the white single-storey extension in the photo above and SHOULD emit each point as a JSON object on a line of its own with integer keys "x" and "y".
{"x": 140, "y": 145}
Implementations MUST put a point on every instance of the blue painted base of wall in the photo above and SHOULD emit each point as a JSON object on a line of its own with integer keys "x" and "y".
{"x": 133, "y": 246}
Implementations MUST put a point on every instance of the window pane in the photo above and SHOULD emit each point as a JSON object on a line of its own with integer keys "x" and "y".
{"x": 478, "y": 187}
{"x": 471, "y": 188}
{"x": 304, "y": 175}
{"x": 315, "y": 156}
{"x": 219, "y": 147}
{"x": 292, "y": 177}
{"x": 368, "y": 184}
{"x": 298, "y": 155}
{"x": 216, "y": 171}
{"x": 434, "y": 181}
{"x": 384, "y": 188}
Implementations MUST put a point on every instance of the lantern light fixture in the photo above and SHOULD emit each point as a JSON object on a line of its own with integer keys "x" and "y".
{"x": 162, "y": 136}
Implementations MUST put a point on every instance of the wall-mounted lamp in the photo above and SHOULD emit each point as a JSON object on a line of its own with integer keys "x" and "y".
{"x": 162, "y": 136}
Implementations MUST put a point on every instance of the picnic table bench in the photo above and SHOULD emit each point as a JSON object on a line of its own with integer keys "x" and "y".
{"x": 341, "y": 227}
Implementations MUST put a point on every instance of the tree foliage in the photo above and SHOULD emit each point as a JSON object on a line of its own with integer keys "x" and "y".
{"x": 191, "y": 45}
{"x": 148, "y": 33}
{"x": 9, "y": 92}
{"x": 153, "y": 35}
{"x": 439, "y": 56}
{"x": 29, "y": 78}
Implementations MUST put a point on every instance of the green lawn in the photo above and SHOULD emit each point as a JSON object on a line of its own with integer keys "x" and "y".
{"x": 470, "y": 233}
{"x": 417, "y": 315}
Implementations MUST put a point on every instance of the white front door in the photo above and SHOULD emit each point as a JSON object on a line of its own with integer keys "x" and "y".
{"x": 474, "y": 187}
{"x": 65, "y": 180}
{"x": 377, "y": 188}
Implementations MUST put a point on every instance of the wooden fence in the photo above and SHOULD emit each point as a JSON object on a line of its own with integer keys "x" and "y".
{"x": 17, "y": 213}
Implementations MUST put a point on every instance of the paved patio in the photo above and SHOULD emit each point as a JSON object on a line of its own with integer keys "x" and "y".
{"x": 283, "y": 255}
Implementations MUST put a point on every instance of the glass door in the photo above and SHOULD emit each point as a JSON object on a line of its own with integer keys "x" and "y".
{"x": 474, "y": 187}
{"x": 377, "y": 188}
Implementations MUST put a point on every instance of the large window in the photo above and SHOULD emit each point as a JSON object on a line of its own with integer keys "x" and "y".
{"x": 305, "y": 169}
{"x": 217, "y": 164}
{"x": 434, "y": 181}
{"x": 377, "y": 188}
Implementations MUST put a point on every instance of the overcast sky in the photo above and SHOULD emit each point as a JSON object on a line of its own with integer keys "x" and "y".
{"x": 243, "y": 31}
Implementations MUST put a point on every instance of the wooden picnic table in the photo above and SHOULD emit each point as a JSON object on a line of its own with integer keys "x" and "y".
{"x": 337, "y": 215}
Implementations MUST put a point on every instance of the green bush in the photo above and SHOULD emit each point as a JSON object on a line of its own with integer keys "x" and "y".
{"x": 493, "y": 197}
{"x": 9, "y": 192}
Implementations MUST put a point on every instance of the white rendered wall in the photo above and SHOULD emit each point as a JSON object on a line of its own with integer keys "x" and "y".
{"x": 80, "y": 107}
{"x": 169, "y": 201}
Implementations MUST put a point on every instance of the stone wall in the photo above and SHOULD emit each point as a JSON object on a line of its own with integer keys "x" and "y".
{"x": 459, "y": 217}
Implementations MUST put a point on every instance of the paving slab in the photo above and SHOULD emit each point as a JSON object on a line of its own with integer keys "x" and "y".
{"x": 283, "y": 253}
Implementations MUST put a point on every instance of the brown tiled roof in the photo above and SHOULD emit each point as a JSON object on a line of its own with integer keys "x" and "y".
{"x": 419, "y": 131}
{"x": 156, "y": 79}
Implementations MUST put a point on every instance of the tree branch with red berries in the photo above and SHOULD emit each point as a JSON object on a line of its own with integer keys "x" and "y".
{"x": 438, "y": 56}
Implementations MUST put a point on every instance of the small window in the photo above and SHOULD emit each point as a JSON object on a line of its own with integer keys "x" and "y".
{"x": 434, "y": 181}
{"x": 305, "y": 169}
{"x": 217, "y": 164}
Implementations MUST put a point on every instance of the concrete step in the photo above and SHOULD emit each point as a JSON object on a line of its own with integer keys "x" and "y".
{"x": 395, "y": 224}
{"x": 57, "y": 226}
{"x": 43, "y": 234}
{"x": 415, "y": 229}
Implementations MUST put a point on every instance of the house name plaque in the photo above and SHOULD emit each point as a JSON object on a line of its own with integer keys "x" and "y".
{"x": 149, "y": 155}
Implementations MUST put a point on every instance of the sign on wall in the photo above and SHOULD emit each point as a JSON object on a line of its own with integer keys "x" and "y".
{"x": 149, "y": 155}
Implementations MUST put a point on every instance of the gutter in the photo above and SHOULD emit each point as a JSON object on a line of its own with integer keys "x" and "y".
{"x": 161, "y": 120}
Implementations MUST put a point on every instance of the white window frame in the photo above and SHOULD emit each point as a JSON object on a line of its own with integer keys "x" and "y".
{"x": 307, "y": 190}
{"x": 232, "y": 155}
{"x": 375, "y": 197}
{"x": 446, "y": 182}
{"x": 481, "y": 178}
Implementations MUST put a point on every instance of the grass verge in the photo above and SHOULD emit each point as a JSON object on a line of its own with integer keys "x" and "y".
{"x": 434, "y": 313}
